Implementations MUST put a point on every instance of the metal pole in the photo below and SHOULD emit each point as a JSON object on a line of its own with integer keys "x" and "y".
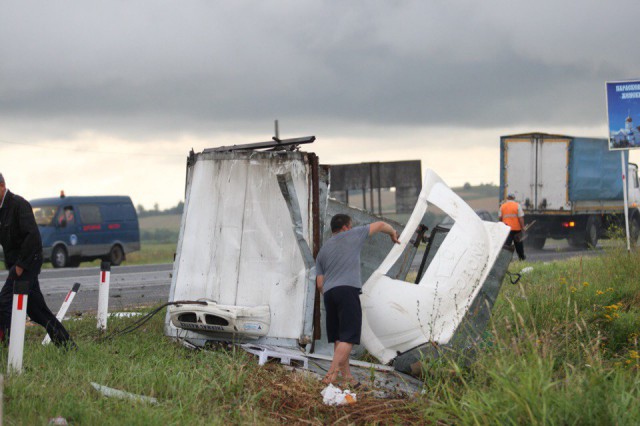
{"x": 364, "y": 197}
{"x": 626, "y": 202}
{"x": 18, "y": 324}
{"x": 1, "y": 398}
{"x": 371, "y": 186}
{"x": 277, "y": 130}
{"x": 379, "y": 191}
{"x": 103, "y": 295}
{"x": 63, "y": 309}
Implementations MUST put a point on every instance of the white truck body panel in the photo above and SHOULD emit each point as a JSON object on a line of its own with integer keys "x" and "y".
{"x": 237, "y": 245}
{"x": 539, "y": 177}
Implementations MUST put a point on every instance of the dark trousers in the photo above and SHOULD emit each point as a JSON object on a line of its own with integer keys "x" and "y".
{"x": 37, "y": 308}
{"x": 515, "y": 238}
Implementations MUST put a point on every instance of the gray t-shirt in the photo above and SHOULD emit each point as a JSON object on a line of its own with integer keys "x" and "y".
{"x": 339, "y": 258}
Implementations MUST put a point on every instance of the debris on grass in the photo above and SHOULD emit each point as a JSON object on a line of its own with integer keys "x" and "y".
{"x": 332, "y": 395}
{"x": 115, "y": 393}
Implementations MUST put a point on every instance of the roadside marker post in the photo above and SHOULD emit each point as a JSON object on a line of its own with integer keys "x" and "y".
{"x": 63, "y": 309}
{"x": 103, "y": 295}
{"x": 18, "y": 323}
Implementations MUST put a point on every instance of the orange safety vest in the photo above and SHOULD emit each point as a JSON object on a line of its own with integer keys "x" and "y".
{"x": 509, "y": 214}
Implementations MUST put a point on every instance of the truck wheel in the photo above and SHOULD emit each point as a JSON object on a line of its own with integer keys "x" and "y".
{"x": 537, "y": 242}
{"x": 59, "y": 257}
{"x": 634, "y": 230}
{"x": 116, "y": 255}
{"x": 591, "y": 236}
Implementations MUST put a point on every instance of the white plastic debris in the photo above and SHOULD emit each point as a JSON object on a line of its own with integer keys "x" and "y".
{"x": 115, "y": 393}
{"x": 58, "y": 421}
{"x": 526, "y": 270}
{"x": 332, "y": 395}
{"x": 124, "y": 314}
{"x": 264, "y": 352}
{"x": 398, "y": 316}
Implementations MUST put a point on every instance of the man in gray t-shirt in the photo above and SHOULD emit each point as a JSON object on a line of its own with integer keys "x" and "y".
{"x": 338, "y": 279}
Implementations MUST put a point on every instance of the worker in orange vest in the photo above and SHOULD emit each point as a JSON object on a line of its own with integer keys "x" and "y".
{"x": 513, "y": 216}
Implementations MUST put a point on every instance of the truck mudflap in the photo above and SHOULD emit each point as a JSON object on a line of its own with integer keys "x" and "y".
{"x": 249, "y": 322}
{"x": 399, "y": 316}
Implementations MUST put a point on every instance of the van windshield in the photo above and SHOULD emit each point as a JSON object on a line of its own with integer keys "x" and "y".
{"x": 44, "y": 214}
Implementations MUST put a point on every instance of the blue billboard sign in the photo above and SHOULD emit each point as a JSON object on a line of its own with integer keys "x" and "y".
{"x": 623, "y": 108}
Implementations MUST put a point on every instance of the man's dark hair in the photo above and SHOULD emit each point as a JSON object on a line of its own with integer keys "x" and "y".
{"x": 1, "y": 178}
{"x": 338, "y": 221}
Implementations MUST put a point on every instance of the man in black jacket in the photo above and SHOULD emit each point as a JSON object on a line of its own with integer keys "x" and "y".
{"x": 22, "y": 246}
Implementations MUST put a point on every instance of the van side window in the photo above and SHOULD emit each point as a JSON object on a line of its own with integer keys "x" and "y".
{"x": 66, "y": 216}
{"x": 90, "y": 214}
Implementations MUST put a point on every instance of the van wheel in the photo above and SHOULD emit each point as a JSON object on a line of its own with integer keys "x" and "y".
{"x": 59, "y": 257}
{"x": 116, "y": 255}
{"x": 593, "y": 229}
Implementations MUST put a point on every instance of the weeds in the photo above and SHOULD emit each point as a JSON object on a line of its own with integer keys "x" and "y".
{"x": 563, "y": 350}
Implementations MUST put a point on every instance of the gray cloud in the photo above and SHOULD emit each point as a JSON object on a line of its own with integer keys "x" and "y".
{"x": 156, "y": 67}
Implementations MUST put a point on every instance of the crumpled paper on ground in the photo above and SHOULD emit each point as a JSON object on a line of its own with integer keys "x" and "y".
{"x": 332, "y": 395}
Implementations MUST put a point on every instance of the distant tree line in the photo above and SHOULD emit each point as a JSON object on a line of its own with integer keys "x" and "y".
{"x": 142, "y": 212}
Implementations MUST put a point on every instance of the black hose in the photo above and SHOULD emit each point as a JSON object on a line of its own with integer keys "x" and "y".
{"x": 511, "y": 278}
{"x": 143, "y": 320}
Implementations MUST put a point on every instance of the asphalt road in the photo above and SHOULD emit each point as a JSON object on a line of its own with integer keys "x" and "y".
{"x": 558, "y": 250}
{"x": 149, "y": 284}
{"x": 128, "y": 286}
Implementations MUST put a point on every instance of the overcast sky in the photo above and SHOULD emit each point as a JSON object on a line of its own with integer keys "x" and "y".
{"x": 109, "y": 97}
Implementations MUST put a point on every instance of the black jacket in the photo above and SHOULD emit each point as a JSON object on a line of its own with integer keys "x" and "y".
{"x": 19, "y": 234}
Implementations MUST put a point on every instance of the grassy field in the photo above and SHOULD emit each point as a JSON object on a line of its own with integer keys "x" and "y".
{"x": 167, "y": 221}
{"x": 562, "y": 348}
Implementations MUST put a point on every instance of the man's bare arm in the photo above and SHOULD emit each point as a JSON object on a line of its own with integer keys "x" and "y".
{"x": 385, "y": 228}
{"x": 319, "y": 282}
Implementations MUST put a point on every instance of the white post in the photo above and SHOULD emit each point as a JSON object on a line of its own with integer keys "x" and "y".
{"x": 1, "y": 398}
{"x": 18, "y": 323}
{"x": 626, "y": 202}
{"x": 103, "y": 295}
{"x": 63, "y": 309}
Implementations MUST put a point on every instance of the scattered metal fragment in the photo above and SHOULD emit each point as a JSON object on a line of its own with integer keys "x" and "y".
{"x": 115, "y": 393}
{"x": 264, "y": 352}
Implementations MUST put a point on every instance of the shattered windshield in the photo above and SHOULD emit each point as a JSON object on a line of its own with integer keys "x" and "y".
{"x": 44, "y": 214}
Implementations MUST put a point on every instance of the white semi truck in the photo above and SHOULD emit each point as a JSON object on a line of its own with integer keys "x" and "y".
{"x": 570, "y": 186}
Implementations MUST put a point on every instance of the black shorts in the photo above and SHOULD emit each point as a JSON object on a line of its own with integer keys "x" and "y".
{"x": 344, "y": 314}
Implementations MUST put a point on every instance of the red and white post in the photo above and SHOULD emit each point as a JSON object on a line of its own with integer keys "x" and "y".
{"x": 63, "y": 309}
{"x": 18, "y": 323}
{"x": 103, "y": 295}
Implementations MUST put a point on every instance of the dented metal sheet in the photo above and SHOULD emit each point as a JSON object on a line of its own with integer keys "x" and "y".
{"x": 237, "y": 245}
{"x": 399, "y": 316}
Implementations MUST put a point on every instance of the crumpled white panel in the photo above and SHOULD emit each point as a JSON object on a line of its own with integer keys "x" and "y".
{"x": 237, "y": 245}
{"x": 399, "y": 316}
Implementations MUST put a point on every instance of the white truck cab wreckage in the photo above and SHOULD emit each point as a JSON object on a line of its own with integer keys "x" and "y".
{"x": 244, "y": 269}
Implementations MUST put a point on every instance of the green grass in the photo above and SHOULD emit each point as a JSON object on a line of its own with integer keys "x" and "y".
{"x": 150, "y": 253}
{"x": 562, "y": 348}
{"x": 217, "y": 386}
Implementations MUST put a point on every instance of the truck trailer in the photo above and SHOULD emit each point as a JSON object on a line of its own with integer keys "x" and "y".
{"x": 569, "y": 187}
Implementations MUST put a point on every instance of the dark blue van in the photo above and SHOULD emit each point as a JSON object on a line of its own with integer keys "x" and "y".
{"x": 78, "y": 229}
